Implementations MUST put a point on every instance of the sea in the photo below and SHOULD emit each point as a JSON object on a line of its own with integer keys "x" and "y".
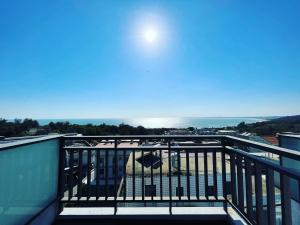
{"x": 163, "y": 122}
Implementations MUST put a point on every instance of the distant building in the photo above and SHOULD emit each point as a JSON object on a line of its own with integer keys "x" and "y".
{"x": 115, "y": 160}
{"x": 32, "y": 131}
{"x": 227, "y": 132}
{"x": 180, "y": 132}
{"x": 206, "y": 131}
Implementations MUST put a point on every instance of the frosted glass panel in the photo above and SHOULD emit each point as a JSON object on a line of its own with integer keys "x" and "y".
{"x": 28, "y": 180}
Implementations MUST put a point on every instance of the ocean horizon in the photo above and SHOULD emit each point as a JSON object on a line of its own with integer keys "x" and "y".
{"x": 163, "y": 122}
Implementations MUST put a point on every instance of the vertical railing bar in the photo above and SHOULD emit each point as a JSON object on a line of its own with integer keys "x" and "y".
{"x": 125, "y": 174}
{"x": 143, "y": 176}
{"x": 115, "y": 174}
{"x": 224, "y": 178}
{"x": 97, "y": 173}
{"x": 133, "y": 174}
{"x": 71, "y": 166}
{"x": 205, "y": 174}
{"x": 197, "y": 174}
{"x": 188, "y": 174}
{"x": 215, "y": 173}
{"x": 152, "y": 156}
{"x": 160, "y": 175}
{"x": 79, "y": 194}
{"x": 249, "y": 200}
{"x": 240, "y": 183}
{"x": 285, "y": 200}
{"x": 270, "y": 197}
{"x": 258, "y": 194}
{"x": 170, "y": 175}
{"x": 88, "y": 174}
{"x": 233, "y": 179}
{"x": 299, "y": 190}
{"x": 106, "y": 174}
{"x": 116, "y": 169}
{"x": 178, "y": 174}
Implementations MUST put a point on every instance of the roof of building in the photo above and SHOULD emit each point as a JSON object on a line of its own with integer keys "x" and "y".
{"x": 120, "y": 145}
{"x": 165, "y": 162}
{"x": 271, "y": 139}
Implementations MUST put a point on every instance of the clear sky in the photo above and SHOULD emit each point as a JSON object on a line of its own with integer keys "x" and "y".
{"x": 94, "y": 59}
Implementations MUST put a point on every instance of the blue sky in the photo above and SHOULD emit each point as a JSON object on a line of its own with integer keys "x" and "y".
{"x": 88, "y": 59}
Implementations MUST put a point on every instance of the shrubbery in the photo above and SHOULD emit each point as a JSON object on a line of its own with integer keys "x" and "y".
{"x": 21, "y": 128}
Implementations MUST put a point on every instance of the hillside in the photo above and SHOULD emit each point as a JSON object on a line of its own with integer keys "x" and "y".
{"x": 273, "y": 126}
{"x": 294, "y": 119}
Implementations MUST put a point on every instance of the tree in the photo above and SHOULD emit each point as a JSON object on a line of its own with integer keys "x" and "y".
{"x": 191, "y": 128}
{"x": 242, "y": 126}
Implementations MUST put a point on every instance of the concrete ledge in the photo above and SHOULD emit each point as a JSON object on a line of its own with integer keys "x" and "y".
{"x": 90, "y": 211}
{"x": 146, "y": 214}
{"x": 211, "y": 215}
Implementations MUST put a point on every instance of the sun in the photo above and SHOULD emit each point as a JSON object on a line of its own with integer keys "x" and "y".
{"x": 150, "y": 35}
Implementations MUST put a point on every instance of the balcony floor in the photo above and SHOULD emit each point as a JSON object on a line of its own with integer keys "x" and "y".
{"x": 144, "y": 216}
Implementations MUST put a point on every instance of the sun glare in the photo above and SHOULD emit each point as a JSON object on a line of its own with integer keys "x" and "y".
{"x": 150, "y": 35}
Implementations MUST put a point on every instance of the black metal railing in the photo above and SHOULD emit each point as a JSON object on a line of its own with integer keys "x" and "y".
{"x": 262, "y": 189}
{"x": 112, "y": 173}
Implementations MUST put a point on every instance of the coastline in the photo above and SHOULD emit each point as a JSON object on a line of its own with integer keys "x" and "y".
{"x": 163, "y": 122}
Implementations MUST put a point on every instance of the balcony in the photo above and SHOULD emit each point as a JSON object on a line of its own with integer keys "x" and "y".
{"x": 205, "y": 179}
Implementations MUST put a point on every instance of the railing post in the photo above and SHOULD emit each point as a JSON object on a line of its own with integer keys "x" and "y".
{"x": 240, "y": 181}
{"x": 285, "y": 200}
{"x": 115, "y": 175}
{"x": 270, "y": 197}
{"x": 170, "y": 176}
{"x": 215, "y": 174}
{"x": 197, "y": 174}
{"x": 248, "y": 180}
{"x": 160, "y": 175}
{"x": 125, "y": 175}
{"x": 178, "y": 175}
{"x": 133, "y": 174}
{"x": 143, "y": 176}
{"x": 188, "y": 175}
{"x": 70, "y": 174}
{"x": 97, "y": 174}
{"x": 224, "y": 174}
{"x": 80, "y": 175}
{"x": 205, "y": 174}
{"x": 233, "y": 178}
{"x": 151, "y": 173}
{"x": 258, "y": 194}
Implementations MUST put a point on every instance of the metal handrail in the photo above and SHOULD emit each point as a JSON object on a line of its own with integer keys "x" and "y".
{"x": 225, "y": 138}
{"x": 269, "y": 164}
{"x": 265, "y": 147}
